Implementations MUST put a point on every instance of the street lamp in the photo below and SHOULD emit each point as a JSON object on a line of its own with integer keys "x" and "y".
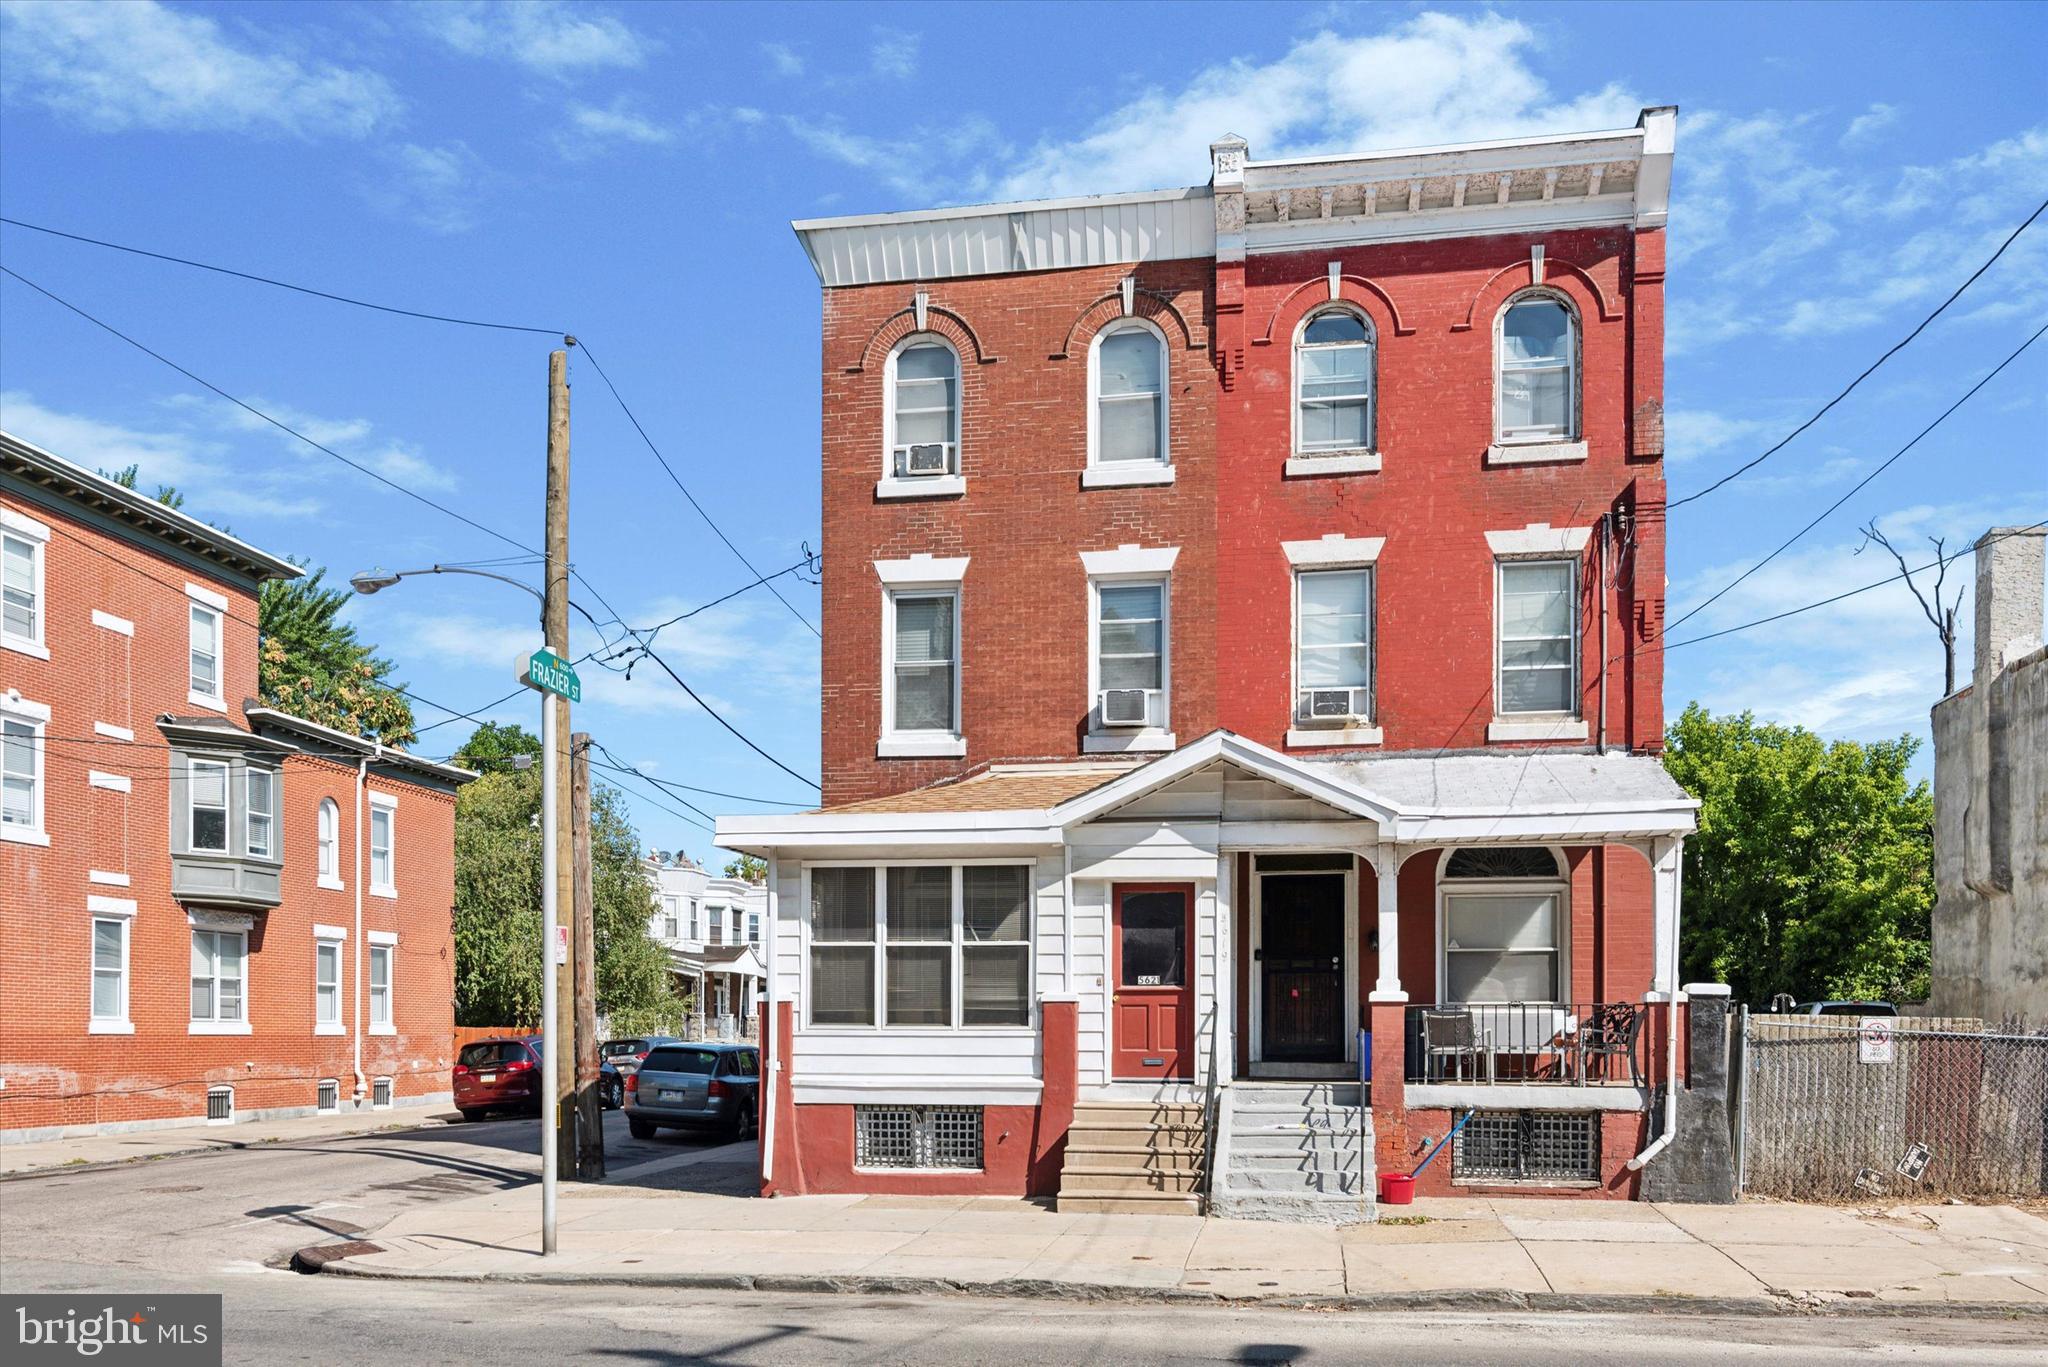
{"x": 375, "y": 580}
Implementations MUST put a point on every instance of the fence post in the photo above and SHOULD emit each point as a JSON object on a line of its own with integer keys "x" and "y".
{"x": 1738, "y": 1120}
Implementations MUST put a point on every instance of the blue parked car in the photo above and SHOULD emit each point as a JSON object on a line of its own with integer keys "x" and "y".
{"x": 695, "y": 1087}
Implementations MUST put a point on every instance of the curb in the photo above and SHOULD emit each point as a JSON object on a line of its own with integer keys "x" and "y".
{"x": 218, "y": 1146}
{"x": 332, "y": 1259}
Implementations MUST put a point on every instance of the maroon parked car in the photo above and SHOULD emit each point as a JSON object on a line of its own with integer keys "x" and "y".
{"x": 497, "y": 1075}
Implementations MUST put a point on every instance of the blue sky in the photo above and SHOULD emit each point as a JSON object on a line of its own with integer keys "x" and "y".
{"x": 627, "y": 174}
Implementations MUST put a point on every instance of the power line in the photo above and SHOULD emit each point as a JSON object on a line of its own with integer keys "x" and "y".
{"x": 684, "y": 489}
{"x": 648, "y": 653}
{"x": 708, "y": 829}
{"x": 257, "y": 412}
{"x": 707, "y": 792}
{"x": 1858, "y": 486}
{"x": 279, "y": 284}
{"x": 1751, "y": 465}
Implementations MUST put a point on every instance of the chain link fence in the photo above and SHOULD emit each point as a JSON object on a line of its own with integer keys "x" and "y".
{"x": 1835, "y": 1108}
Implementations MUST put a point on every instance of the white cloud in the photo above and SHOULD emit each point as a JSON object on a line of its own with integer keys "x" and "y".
{"x": 1690, "y": 433}
{"x": 441, "y": 189}
{"x": 783, "y": 59}
{"x": 894, "y": 53}
{"x": 593, "y": 130}
{"x": 356, "y": 438}
{"x": 915, "y": 165}
{"x": 1436, "y": 78}
{"x": 139, "y": 64}
{"x": 1871, "y": 122}
{"x": 547, "y": 36}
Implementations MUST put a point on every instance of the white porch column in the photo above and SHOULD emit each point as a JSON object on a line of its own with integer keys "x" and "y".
{"x": 1386, "y": 869}
{"x": 1667, "y": 867}
{"x": 1224, "y": 1043}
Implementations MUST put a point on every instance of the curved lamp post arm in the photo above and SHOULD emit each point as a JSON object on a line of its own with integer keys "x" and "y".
{"x": 371, "y": 581}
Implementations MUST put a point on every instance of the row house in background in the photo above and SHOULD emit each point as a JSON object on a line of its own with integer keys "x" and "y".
{"x": 1241, "y": 673}
{"x": 211, "y": 909}
{"x": 712, "y": 929}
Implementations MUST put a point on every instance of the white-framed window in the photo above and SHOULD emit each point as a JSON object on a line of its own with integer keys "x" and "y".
{"x": 109, "y": 970}
{"x": 1536, "y": 381}
{"x": 753, "y": 927}
{"x": 380, "y": 1094}
{"x": 383, "y": 851}
{"x": 1334, "y": 376}
{"x": 931, "y": 946}
{"x": 217, "y": 976}
{"x": 1128, "y": 420}
{"x": 671, "y": 922}
{"x": 23, "y": 595}
{"x": 207, "y": 797}
{"x": 329, "y": 843}
{"x": 22, "y": 788}
{"x": 1333, "y": 658}
{"x": 1131, "y": 658}
{"x": 327, "y": 1096}
{"x": 717, "y": 932}
{"x": 696, "y": 919}
{"x": 921, "y": 686}
{"x": 206, "y": 681}
{"x": 1536, "y": 609}
{"x": 1504, "y": 925}
{"x": 381, "y": 956}
{"x": 921, "y": 410}
{"x": 260, "y": 816}
{"x": 327, "y": 971}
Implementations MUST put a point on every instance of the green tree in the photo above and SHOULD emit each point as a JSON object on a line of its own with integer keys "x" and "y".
{"x": 498, "y": 898}
{"x": 1812, "y": 871}
{"x": 166, "y": 494}
{"x": 313, "y": 665}
{"x": 748, "y": 868}
{"x": 495, "y": 745}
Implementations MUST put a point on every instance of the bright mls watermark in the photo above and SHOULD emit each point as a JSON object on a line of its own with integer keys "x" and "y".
{"x": 172, "y": 1331}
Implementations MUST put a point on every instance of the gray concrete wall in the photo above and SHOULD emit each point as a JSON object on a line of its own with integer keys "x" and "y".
{"x": 1991, "y": 803}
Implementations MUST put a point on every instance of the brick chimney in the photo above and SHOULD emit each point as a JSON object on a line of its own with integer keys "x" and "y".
{"x": 2009, "y": 598}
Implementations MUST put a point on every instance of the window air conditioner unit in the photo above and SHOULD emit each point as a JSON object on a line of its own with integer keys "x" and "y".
{"x": 1331, "y": 703}
{"x": 925, "y": 458}
{"x": 1126, "y": 706}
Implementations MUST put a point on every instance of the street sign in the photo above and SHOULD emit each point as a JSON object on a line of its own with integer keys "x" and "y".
{"x": 1874, "y": 1042}
{"x": 561, "y": 945}
{"x": 550, "y": 673}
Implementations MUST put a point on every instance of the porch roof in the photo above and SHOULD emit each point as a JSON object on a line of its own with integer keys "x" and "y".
{"x": 1410, "y": 799}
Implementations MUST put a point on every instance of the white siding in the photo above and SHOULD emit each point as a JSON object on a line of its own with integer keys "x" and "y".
{"x": 1091, "y": 978}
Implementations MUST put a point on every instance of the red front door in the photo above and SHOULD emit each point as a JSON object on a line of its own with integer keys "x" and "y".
{"x": 1152, "y": 976}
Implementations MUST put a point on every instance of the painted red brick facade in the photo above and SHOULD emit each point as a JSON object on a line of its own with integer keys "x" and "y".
{"x": 114, "y": 607}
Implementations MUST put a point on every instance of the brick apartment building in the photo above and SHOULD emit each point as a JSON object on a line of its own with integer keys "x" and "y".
{"x": 1240, "y": 674}
{"x": 211, "y": 909}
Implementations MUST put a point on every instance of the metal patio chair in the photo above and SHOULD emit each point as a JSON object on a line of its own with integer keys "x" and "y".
{"x": 1449, "y": 1035}
{"x": 1610, "y": 1031}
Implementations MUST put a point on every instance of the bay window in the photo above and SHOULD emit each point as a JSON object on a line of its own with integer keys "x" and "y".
{"x": 921, "y": 945}
{"x": 208, "y": 789}
{"x": 260, "y": 794}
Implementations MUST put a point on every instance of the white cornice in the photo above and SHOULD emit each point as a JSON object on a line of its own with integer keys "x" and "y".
{"x": 1539, "y": 538}
{"x": 1335, "y": 549}
{"x": 921, "y": 569}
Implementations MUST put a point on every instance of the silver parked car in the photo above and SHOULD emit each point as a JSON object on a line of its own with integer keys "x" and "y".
{"x": 695, "y": 1087}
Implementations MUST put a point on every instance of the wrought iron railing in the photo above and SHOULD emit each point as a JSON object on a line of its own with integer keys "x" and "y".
{"x": 1596, "y": 1044}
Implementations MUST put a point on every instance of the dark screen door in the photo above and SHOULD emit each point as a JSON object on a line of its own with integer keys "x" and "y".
{"x": 1152, "y": 1000}
{"x": 1301, "y": 960}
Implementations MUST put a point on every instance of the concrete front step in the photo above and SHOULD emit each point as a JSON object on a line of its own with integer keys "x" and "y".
{"x": 1299, "y": 1160}
{"x": 1137, "y": 1113}
{"x": 1118, "y": 1182}
{"x": 1338, "y": 1122}
{"x": 1157, "y": 1203}
{"x": 1300, "y": 1210}
{"x": 1297, "y": 1183}
{"x": 1298, "y": 1140}
{"x": 1132, "y": 1158}
{"x": 1134, "y": 1137}
{"x": 1298, "y": 1094}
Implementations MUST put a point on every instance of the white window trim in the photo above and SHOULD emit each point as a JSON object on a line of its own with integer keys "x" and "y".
{"x": 1567, "y": 725}
{"x": 275, "y": 781}
{"x": 1539, "y": 541}
{"x": 221, "y": 1087}
{"x": 390, "y": 1092}
{"x": 331, "y": 881}
{"x": 119, "y": 625}
{"x": 1506, "y": 450}
{"x": 36, "y": 716}
{"x": 324, "y": 1082}
{"x": 385, "y": 942}
{"x": 119, "y": 909}
{"x": 389, "y": 805}
{"x": 1099, "y": 473}
{"x": 37, "y": 535}
{"x": 934, "y": 743}
{"x": 105, "y": 879}
{"x": 1335, "y": 736}
{"x": 338, "y": 937}
{"x": 213, "y": 1025}
{"x": 1357, "y": 726}
{"x": 1560, "y": 886}
{"x": 922, "y": 571}
{"x": 880, "y": 944}
{"x": 227, "y": 784}
{"x": 218, "y": 605}
{"x": 113, "y": 783}
{"x": 111, "y": 731}
{"x": 1351, "y": 459}
{"x": 890, "y": 485}
{"x": 1335, "y": 551}
{"x": 1129, "y": 565}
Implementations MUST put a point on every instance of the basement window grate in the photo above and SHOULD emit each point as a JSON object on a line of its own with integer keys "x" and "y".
{"x": 380, "y": 1094}
{"x": 220, "y": 1105}
{"x": 1528, "y": 1146}
{"x": 917, "y": 1137}
{"x": 330, "y": 1096}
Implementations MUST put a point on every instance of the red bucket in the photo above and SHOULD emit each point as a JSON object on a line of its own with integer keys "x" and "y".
{"x": 1396, "y": 1189}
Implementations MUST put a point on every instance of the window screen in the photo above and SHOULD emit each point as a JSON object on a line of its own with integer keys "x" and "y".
{"x": 842, "y": 946}
{"x": 919, "y": 962}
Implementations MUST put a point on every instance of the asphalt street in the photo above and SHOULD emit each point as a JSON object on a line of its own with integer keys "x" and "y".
{"x": 226, "y": 1222}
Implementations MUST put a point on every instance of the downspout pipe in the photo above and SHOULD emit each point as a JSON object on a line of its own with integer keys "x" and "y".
{"x": 1606, "y": 607}
{"x": 1670, "y": 1129}
{"x": 355, "y": 1014}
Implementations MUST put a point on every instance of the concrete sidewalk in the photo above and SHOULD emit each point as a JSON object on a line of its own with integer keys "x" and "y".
{"x": 1526, "y": 1251}
{"x": 85, "y": 1152}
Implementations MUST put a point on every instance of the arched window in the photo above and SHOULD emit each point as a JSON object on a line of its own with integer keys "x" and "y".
{"x": 923, "y": 409}
{"x": 1505, "y": 916}
{"x": 1127, "y": 374}
{"x": 1536, "y": 386}
{"x": 330, "y": 842}
{"x": 1333, "y": 384}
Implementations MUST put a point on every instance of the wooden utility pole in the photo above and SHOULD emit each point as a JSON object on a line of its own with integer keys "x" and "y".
{"x": 583, "y": 955}
{"x": 561, "y": 1031}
